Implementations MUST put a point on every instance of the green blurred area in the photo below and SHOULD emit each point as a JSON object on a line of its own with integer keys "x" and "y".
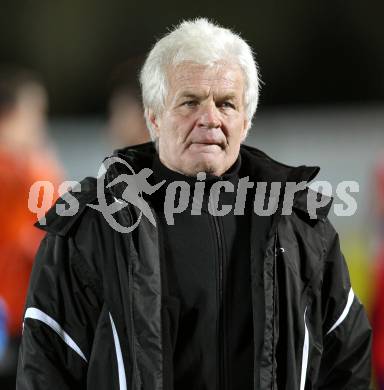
{"x": 360, "y": 260}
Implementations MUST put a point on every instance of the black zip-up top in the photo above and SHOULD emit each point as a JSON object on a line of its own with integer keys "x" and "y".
{"x": 207, "y": 266}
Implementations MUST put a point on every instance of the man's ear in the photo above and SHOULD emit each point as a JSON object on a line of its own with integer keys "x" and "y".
{"x": 245, "y": 130}
{"x": 154, "y": 120}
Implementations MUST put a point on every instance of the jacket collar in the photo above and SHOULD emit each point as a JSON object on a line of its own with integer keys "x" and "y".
{"x": 259, "y": 166}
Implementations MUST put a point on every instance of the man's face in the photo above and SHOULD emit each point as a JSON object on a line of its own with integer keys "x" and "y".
{"x": 204, "y": 119}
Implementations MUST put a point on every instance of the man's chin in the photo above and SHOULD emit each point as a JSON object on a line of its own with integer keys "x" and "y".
{"x": 207, "y": 163}
{"x": 206, "y": 153}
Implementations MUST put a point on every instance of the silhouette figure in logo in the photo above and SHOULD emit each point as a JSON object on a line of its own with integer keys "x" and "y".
{"x": 137, "y": 184}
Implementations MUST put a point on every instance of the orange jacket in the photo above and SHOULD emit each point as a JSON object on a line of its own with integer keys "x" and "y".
{"x": 19, "y": 239}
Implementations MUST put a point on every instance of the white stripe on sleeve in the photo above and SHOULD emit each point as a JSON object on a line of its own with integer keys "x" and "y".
{"x": 304, "y": 361}
{"x": 39, "y": 315}
{"x": 345, "y": 312}
{"x": 119, "y": 356}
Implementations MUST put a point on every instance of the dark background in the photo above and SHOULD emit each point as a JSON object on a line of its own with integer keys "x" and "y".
{"x": 309, "y": 52}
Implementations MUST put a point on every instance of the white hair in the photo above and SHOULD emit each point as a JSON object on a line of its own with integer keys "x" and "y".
{"x": 202, "y": 42}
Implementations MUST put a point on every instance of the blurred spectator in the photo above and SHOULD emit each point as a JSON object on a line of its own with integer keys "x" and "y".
{"x": 25, "y": 157}
{"x": 380, "y": 190}
{"x": 378, "y": 305}
{"x": 3, "y": 328}
{"x": 126, "y": 116}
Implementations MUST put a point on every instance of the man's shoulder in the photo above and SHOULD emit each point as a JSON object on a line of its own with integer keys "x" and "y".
{"x": 312, "y": 205}
{"x": 71, "y": 209}
{"x": 309, "y": 217}
{"x": 73, "y": 234}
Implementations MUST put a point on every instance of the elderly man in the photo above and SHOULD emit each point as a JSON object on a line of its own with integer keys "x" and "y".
{"x": 186, "y": 286}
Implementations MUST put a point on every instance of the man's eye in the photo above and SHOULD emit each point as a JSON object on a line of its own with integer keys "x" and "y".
{"x": 190, "y": 103}
{"x": 227, "y": 105}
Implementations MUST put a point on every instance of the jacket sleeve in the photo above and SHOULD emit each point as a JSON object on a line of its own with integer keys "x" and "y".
{"x": 346, "y": 359}
{"x": 62, "y": 309}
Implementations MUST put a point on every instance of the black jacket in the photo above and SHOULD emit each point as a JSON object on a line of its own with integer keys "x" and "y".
{"x": 96, "y": 316}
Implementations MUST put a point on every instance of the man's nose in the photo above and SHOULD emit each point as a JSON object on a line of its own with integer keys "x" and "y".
{"x": 209, "y": 116}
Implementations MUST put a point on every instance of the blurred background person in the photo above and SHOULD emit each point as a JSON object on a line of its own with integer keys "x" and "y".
{"x": 126, "y": 125}
{"x": 25, "y": 157}
{"x": 378, "y": 300}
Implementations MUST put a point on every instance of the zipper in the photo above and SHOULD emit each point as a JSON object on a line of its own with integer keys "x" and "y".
{"x": 221, "y": 308}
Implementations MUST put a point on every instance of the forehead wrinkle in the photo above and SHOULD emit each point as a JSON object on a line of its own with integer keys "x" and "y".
{"x": 227, "y": 75}
{"x": 195, "y": 80}
{"x": 202, "y": 93}
{"x": 188, "y": 85}
{"x": 204, "y": 80}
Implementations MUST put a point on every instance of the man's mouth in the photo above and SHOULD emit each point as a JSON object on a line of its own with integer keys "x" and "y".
{"x": 205, "y": 146}
{"x": 208, "y": 143}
